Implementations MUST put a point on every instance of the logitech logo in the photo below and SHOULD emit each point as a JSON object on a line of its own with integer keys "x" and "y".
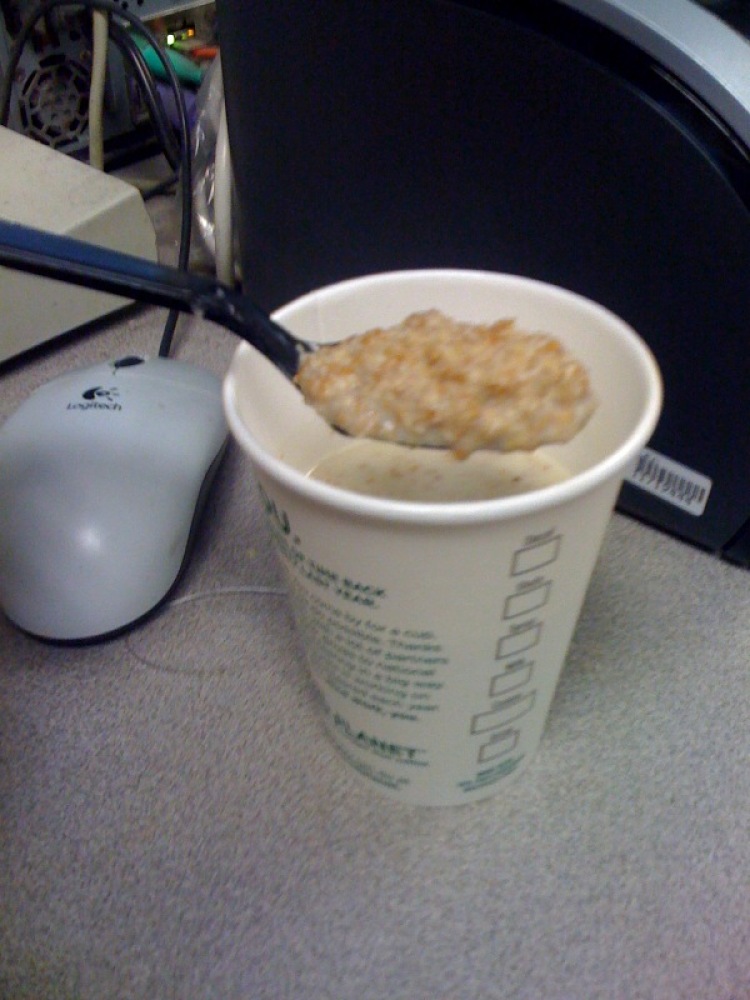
{"x": 97, "y": 398}
{"x": 98, "y": 392}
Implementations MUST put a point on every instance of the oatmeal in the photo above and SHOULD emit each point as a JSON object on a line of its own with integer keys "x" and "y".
{"x": 422, "y": 475}
{"x": 437, "y": 382}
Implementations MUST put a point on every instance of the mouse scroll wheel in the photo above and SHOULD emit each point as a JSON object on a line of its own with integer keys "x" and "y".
{"x": 128, "y": 362}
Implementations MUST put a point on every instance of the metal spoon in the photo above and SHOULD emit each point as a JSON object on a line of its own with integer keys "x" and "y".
{"x": 79, "y": 263}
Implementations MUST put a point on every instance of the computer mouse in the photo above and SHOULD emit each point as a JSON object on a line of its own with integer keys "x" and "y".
{"x": 103, "y": 475}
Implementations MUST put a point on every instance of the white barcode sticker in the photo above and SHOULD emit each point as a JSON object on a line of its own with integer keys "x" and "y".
{"x": 675, "y": 483}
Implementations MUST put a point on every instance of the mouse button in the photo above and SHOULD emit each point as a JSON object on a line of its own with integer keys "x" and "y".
{"x": 32, "y": 422}
{"x": 128, "y": 362}
{"x": 191, "y": 421}
{"x": 162, "y": 389}
{"x": 75, "y": 389}
{"x": 188, "y": 376}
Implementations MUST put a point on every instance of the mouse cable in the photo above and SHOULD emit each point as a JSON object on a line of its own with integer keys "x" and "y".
{"x": 132, "y": 53}
{"x": 42, "y": 9}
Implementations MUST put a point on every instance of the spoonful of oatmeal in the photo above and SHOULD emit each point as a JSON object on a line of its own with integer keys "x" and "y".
{"x": 431, "y": 381}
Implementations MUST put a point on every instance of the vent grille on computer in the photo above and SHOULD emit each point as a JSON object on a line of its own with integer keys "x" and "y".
{"x": 54, "y": 101}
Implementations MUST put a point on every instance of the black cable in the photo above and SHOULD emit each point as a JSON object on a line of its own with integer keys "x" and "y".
{"x": 42, "y": 9}
{"x": 130, "y": 51}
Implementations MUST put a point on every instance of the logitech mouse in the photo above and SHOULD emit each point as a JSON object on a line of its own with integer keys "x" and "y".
{"x": 103, "y": 473}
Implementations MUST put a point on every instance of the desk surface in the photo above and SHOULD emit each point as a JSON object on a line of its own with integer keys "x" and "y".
{"x": 174, "y": 823}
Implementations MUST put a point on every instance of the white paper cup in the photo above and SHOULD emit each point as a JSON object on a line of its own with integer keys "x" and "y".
{"x": 436, "y": 633}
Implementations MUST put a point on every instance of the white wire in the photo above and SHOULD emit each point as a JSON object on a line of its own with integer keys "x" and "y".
{"x": 202, "y": 595}
{"x": 100, "y": 25}
{"x": 223, "y": 233}
{"x": 198, "y": 595}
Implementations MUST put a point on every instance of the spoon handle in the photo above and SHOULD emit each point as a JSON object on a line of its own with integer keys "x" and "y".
{"x": 49, "y": 255}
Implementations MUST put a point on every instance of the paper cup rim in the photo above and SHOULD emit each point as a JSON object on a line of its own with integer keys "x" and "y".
{"x": 460, "y": 512}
